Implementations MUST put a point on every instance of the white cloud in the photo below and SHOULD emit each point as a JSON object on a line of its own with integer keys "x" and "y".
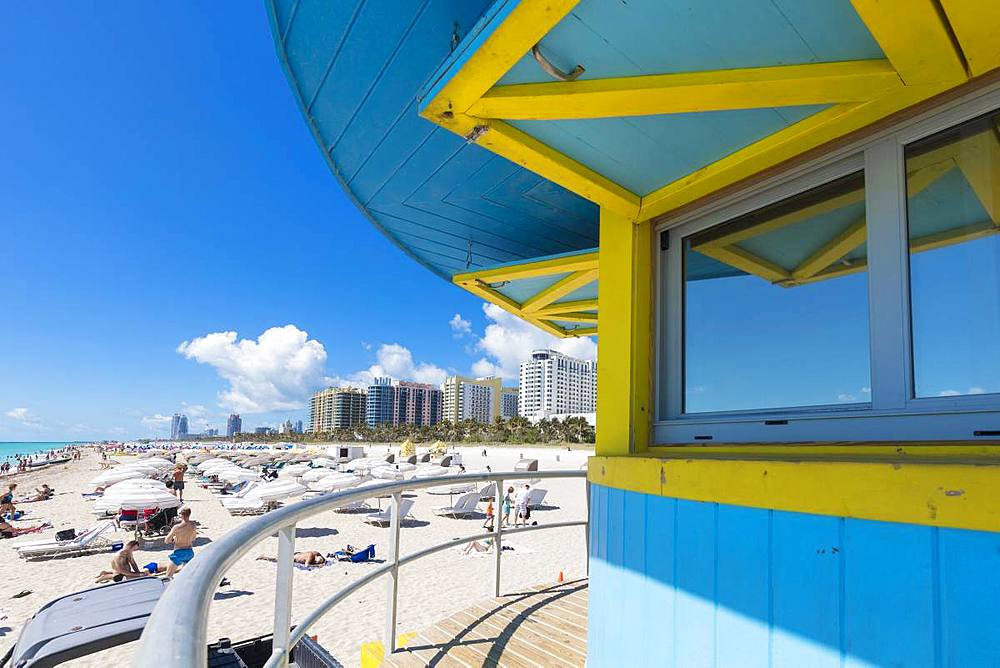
{"x": 956, "y": 393}
{"x": 395, "y": 361}
{"x": 24, "y": 417}
{"x": 484, "y": 367}
{"x": 508, "y": 341}
{"x": 846, "y": 396}
{"x": 278, "y": 371}
{"x": 155, "y": 422}
{"x": 866, "y": 390}
{"x": 460, "y": 326}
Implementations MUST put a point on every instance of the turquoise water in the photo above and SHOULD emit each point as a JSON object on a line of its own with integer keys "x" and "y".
{"x": 11, "y": 448}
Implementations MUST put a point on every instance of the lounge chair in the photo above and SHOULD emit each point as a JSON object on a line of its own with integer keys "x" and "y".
{"x": 353, "y": 507}
{"x": 250, "y": 506}
{"x": 383, "y": 517}
{"x": 464, "y": 507}
{"x": 536, "y": 496}
{"x": 488, "y": 492}
{"x": 94, "y": 539}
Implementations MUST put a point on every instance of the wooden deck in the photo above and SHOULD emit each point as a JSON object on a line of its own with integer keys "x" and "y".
{"x": 544, "y": 626}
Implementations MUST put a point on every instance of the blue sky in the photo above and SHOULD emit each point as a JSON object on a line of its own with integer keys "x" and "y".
{"x": 159, "y": 185}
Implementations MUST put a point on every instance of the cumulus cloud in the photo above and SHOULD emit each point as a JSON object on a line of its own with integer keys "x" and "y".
{"x": 956, "y": 393}
{"x": 395, "y": 361}
{"x": 508, "y": 341}
{"x": 155, "y": 422}
{"x": 460, "y": 326}
{"x": 24, "y": 417}
{"x": 277, "y": 371}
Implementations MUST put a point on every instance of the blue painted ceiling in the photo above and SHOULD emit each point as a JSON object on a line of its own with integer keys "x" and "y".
{"x": 355, "y": 68}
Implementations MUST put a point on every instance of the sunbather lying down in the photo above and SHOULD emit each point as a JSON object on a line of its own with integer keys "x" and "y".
{"x": 311, "y": 558}
{"x": 43, "y": 493}
{"x": 123, "y": 566}
{"x": 9, "y": 531}
{"x": 478, "y": 546}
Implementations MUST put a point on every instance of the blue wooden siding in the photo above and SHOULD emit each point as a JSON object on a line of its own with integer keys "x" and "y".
{"x": 356, "y": 68}
{"x": 688, "y": 584}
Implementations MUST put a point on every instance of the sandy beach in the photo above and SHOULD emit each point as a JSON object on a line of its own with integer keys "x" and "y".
{"x": 430, "y": 589}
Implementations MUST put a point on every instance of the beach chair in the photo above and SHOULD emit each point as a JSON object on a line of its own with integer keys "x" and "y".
{"x": 536, "y": 496}
{"x": 488, "y": 492}
{"x": 464, "y": 507}
{"x": 94, "y": 539}
{"x": 383, "y": 517}
{"x": 251, "y": 506}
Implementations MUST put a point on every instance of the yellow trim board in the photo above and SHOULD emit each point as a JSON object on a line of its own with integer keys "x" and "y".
{"x": 750, "y": 88}
{"x": 936, "y": 492}
{"x": 977, "y": 27}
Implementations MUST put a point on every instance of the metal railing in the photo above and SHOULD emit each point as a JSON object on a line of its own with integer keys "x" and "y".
{"x": 176, "y": 632}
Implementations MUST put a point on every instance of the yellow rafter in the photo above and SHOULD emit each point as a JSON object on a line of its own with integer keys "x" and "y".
{"x": 746, "y": 261}
{"x": 568, "y": 307}
{"x": 559, "y": 289}
{"x": 584, "y": 318}
{"x": 977, "y": 27}
{"x": 850, "y": 238}
{"x": 532, "y": 269}
{"x": 915, "y": 39}
{"x": 752, "y": 88}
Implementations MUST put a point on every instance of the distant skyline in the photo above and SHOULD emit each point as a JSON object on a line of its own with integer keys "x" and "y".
{"x": 171, "y": 239}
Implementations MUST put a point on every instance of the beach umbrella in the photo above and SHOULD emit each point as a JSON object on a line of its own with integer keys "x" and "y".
{"x": 407, "y": 449}
{"x": 386, "y": 473}
{"x": 277, "y": 490}
{"x": 312, "y": 475}
{"x": 335, "y": 481}
{"x": 237, "y": 474}
{"x": 115, "y": 475}
{"x": 325, "y": 462}
{"x": 138, "y": 499}
{"x": 294, "y": 470}
{"x": 133, "y": 483}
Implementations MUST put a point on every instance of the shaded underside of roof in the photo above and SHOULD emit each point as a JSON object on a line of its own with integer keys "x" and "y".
{"x": 355, "y": 68}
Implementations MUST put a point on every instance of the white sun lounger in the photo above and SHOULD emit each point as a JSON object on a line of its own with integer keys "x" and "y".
{"x": 464, "y": 507}
{"x": 536, "y": 496}
{"x": 93, "y": 539}
{"x": 385, "y": 516}
{"x": 250, "y": 506}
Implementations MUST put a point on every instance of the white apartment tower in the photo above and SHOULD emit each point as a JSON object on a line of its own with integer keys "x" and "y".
{"x": 555, "y": 384}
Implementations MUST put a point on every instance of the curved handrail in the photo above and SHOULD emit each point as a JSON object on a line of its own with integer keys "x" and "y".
{"x": 176, "y": 633}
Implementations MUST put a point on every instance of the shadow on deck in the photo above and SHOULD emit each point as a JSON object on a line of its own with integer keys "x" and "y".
{"x": 544, "y": 626}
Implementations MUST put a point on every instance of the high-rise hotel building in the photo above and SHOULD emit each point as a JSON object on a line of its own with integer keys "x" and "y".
{"x": 476, "y": 399}
{"x": 336, "y": 408}
{"x": 555, "y": 384}
{"x": 234, "y": 425}
{"x": 399, "y": 402}
{"x": 510, "y": 400}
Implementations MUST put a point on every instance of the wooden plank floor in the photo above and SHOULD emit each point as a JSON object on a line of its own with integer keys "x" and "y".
{"x": 544, "y": 626}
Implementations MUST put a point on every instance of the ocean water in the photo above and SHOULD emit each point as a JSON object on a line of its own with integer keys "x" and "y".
{"x": 11, "y": 448}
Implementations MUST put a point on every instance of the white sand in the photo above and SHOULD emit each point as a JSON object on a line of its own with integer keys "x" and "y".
{"x": 430, "y": 589}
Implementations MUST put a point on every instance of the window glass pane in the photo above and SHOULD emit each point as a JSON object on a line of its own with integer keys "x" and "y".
{"x": 953, "y": 200}
{"x": 776, "y": 305}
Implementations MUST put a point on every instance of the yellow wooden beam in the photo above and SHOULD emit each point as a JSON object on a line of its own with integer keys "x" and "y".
{"x": 915, "y": 38}
{"x": 781, "y": 146}
{"x": 753, "y": 88}
{"x": 977, "y": 27}
{"x": 734, "y": 256}
{"x": 953, "y": 236}
{"x": 853, "y": 236}
{"x": 943, "y": 494}
{"x": 559, "y": 289}
{"x": 523, "y": 149}
{"x": 585, "y": 318}
{"x": 521, "y": 29}
{"x": 581, "y": 331}
{"x": 624, "y": 346}
{"x": 483, "y": 290}
{"x": 567, "y": 307}
{"x": 979, "y": 159}
{"x": 532, "y": 269}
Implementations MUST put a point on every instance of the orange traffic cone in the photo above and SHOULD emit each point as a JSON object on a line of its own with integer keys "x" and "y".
{"x": 560, "y": 577}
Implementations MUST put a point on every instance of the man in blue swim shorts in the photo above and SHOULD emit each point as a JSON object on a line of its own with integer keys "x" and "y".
{"x": 182, "y": 536}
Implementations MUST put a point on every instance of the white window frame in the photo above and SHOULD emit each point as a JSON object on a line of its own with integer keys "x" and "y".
{"x": 893, "y": 413}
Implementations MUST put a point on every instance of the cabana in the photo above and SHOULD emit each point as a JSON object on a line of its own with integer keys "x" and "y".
{"x": 782, "y": 219}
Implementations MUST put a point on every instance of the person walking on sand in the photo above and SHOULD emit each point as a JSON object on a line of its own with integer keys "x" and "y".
{"x": 182, "y": 536}
{"x": 178, "y": 486}
{"x": 508, "y": 502}
{"x": 521, "y": 506}
{"x": 488, "y": 524}
{"x": 7, "y": 500}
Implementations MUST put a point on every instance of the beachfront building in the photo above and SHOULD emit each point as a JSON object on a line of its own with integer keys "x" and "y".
{"x": 397, "y": 402}
{"x": 475, "y": 399}
{"x": 509, "y": 399}
{"x": 553, "y": 383}
{"x": 793, "y": 213}
{"x": 234, "y": 425}
{"x": 178, "y": 426}
{"x": 335, "y": 408}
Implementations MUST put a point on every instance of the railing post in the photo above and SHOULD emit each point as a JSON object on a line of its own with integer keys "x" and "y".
{"x": 283, "y": 591}
{"x": 498, "y": 520}
{"x": 586, "y": 530}
{"x": 393, "y": 587}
